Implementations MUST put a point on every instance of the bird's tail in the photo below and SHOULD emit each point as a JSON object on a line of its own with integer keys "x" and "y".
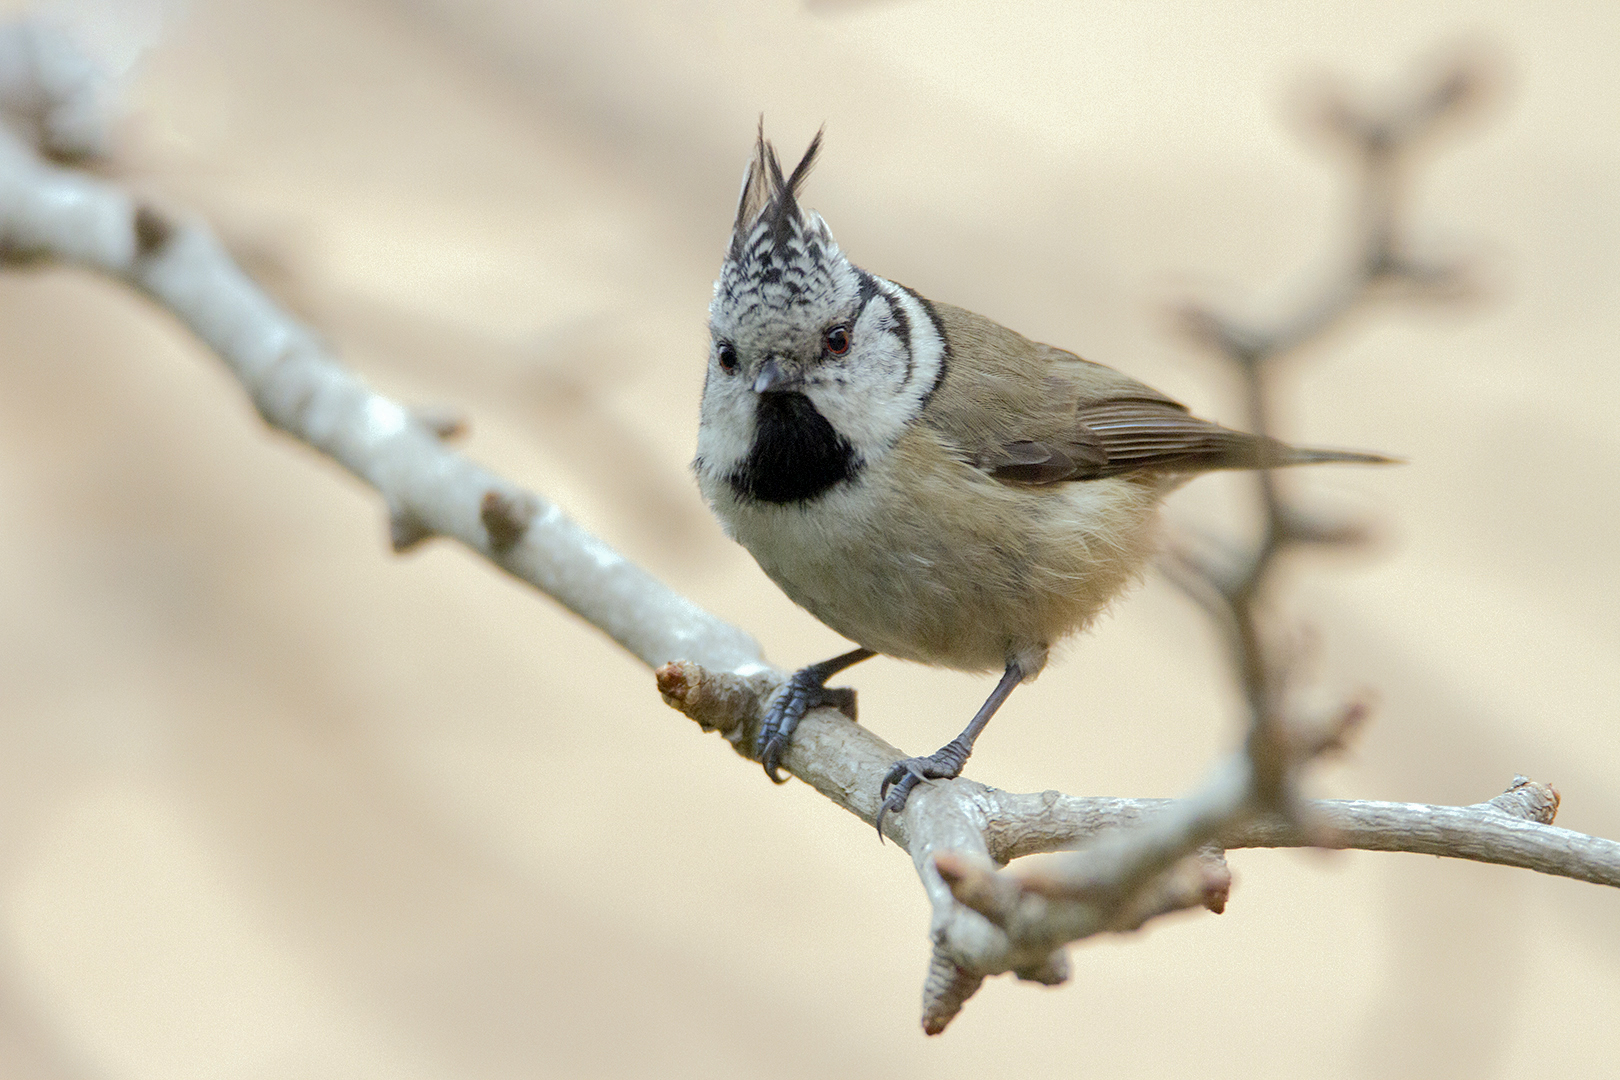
{"x": 1283, "y": 454}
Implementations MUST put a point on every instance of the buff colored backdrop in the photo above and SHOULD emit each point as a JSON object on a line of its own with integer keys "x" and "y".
{"x": 275, "y": 802}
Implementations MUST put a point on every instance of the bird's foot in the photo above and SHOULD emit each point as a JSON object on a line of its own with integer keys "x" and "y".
{"x": 943, "y": 764}
{"x": 801, "y": 693}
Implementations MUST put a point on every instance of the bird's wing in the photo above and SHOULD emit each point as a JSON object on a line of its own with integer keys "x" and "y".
{"x": 1027, "y": 413}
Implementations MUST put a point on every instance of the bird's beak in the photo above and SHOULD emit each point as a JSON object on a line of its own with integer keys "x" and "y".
{"x": 773, "y": 380}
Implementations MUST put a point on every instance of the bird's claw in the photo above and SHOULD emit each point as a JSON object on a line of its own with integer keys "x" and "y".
{"x": 944, "y": 764}
{"x": 801, "y": 693}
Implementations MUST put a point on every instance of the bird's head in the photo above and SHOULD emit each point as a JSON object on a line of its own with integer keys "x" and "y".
{"x": 815, "y": 366}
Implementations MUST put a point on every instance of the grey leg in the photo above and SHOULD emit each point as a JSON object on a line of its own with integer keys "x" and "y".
{"x": 948, "y": 760}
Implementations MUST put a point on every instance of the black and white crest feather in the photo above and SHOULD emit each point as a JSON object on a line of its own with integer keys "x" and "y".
{"x": 780, "y": 257}
{"x": 768, "y": 199}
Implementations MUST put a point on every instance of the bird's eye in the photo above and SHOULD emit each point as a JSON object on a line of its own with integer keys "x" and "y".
{"x": 728, "y": 357}
{"x": 837, "y": 341}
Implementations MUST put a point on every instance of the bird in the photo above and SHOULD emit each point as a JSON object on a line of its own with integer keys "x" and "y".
{"x": 928, "y": 483}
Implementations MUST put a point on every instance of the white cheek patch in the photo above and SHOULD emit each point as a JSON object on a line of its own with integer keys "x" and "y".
{"x": 726, "y": 433}
{"x": 888, "y": 375}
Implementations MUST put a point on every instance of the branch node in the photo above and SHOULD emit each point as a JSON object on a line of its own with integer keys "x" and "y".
{"x": 152, "y": 231}
{"x": 446, "y": 424}
{"x": 405, "y": 529}
{"x": 945, "y": 990}
{"x": 1053, "y": 971}
{"x": 721, "y": 701}
{"x": 1216, "y": 887}
{"x": 1528, "y": 799}
{"x": 506, "y": 518}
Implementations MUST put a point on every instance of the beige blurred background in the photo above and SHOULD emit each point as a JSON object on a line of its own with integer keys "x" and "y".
{"x": 276, "y": 803}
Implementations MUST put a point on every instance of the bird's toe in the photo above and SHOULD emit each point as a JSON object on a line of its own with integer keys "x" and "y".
{"x": 798, "y": 695}
{"x": 898, "y": 782}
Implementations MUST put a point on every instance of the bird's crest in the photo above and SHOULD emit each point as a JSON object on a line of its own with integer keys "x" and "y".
{"x": 769, "y": 207}
{"x": 780, "y": 256}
